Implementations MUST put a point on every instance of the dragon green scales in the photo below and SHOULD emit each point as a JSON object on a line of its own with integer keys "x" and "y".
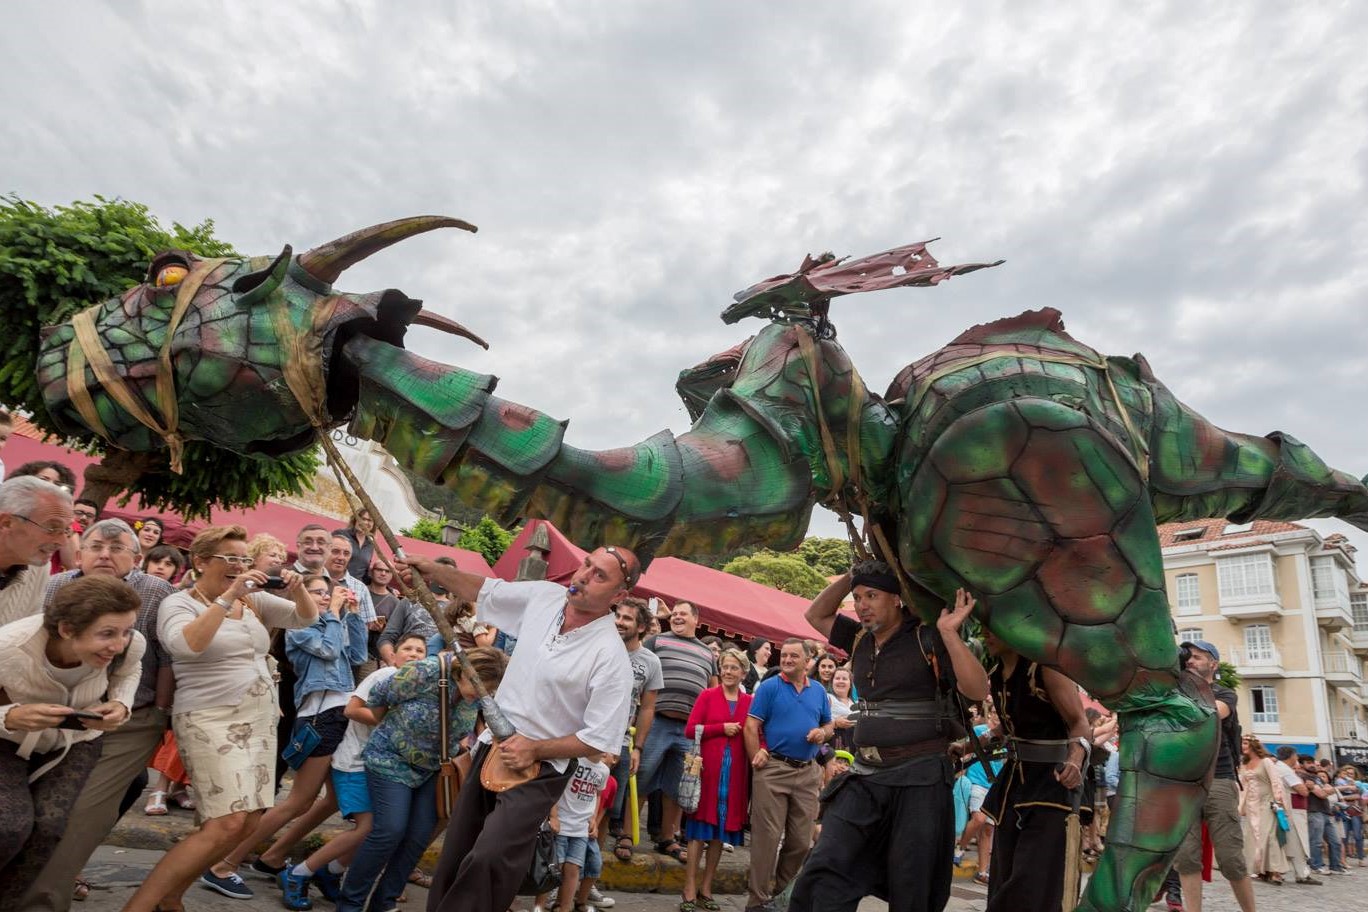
{"x": 1014, "y": 462}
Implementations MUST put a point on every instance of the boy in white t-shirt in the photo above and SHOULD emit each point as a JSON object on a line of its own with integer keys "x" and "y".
{"x": 577, "y": 820}
{"x": 349, "y": 792}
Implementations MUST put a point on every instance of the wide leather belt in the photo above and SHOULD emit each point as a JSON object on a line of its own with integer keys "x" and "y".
{"x": 791, "y": 761}
{"x": 902, "y": 710}
{"x": 1031, "y": 751}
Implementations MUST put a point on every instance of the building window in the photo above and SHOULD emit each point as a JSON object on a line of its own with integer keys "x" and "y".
{"x": 1323, "y": 578}
{"x": 1237, "y": 528}
{"x": 1189, "y": 596}
{"x": 1245, "y": 575}
{"x": 1183, "y": 535}
{"x": 1265, "y": 703}
{"x": 1190, "y": 635}
{"x": 1359, "y": 603}
{"x": 1258, "y": 642}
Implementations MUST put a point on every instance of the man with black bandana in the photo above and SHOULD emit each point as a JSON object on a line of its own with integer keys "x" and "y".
{"x": 889, "y": 826}
{"x": 1048, "y": 742}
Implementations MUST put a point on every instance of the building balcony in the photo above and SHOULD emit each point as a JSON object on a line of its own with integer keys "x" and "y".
{"x": 1343, "y": 669}
{"x": 1268, "y": 726}
{"x": 1347, "y": 729}
{"x": 1360, "y": 639}
{"x": 1334, "y": 614}
{"x": 1252, "y": 607}
{"x": 1262, "y": 663}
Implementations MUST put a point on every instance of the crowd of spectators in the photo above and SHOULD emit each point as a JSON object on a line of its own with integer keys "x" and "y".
{"x": 228, "y": 666}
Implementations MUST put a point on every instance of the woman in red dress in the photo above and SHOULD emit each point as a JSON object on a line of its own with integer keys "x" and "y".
{"x": 724, "y": 801}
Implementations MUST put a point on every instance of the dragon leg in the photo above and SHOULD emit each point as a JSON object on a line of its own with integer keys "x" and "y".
{"x": 1040, "y": 512}
{"x": 729, "y": 480}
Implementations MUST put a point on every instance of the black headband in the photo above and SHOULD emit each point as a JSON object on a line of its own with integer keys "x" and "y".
{"x": 884, "y": 582}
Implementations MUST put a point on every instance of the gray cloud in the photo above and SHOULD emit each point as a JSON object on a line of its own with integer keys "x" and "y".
{"x": 1187, "y": 185}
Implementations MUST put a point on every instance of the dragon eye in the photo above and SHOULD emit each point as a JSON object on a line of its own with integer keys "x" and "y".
{"x": 170, "y": 275}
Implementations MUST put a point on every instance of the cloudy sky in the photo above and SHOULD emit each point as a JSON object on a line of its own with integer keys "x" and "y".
{"x": 1187, "y": 186}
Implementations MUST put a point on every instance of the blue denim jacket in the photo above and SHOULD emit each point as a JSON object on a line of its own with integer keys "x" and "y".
{"x": 324, "y": 652}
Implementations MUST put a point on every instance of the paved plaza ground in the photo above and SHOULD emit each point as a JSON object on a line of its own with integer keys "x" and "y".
{"x": 115, "y": 872}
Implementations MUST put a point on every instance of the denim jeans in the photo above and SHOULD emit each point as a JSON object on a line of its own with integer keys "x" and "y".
{"x": 401, "y": 829}
{"x": 1322, "y": 826}
{"x": 1353, "y": 836}
{"x": 662, "y": 757}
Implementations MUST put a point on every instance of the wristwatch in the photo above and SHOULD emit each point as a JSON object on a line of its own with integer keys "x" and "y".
{"x": 223, "y": 603}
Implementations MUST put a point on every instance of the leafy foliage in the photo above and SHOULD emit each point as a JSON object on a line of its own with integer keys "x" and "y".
{"x": 786, "y": 572}
{"x": 486, "y": 537}
{"x": 1227, "y": 676}
{"x": 828, "y": 556}
{"x": 425, "y": 529}
{"x": 55, "y": 262}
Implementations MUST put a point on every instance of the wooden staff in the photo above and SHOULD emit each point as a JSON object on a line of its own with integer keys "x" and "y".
{"x": 494, "y": 718}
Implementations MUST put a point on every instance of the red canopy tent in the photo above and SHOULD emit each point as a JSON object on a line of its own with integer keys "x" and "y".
{"x": 272, "y": 518}
{"x": 728, "y": 604}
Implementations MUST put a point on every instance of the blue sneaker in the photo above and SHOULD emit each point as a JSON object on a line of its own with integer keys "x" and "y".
{"x": 329, "y": 884}
{"x": 230, "y": 886}
{"x": 295, "y": 890}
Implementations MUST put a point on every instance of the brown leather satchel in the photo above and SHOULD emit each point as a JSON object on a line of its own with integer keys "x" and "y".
{"x": 495, "y": 775}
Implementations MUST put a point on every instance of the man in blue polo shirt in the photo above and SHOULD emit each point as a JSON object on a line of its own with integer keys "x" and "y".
{"x": 788, "y": 722}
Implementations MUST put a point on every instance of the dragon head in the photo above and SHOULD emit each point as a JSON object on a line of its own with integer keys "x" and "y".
{"x": 240, "y": 351}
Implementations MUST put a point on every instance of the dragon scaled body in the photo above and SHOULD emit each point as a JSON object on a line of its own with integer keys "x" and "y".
{"x": 1014, "y": 462}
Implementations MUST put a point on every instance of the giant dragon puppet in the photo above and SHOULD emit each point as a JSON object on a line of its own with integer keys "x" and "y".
{"x": 1014, "y": 462}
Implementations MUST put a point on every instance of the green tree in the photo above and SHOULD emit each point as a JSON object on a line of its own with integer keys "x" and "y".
{"x": 425, "y": 528}
{"x": 55, "y": 262}
{"x": 1227, "y": 676}
{"x": 828, "y": 556}
{"x": 486, "y": 537}
{"x": 786, "y": 572}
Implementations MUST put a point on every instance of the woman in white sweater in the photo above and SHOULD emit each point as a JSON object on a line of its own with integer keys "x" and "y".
{"x": 224, "y": 716}
{"x": 83, "y": 656}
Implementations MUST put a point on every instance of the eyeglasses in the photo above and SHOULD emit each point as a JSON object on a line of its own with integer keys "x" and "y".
{"x": 317, "y": 591}
{"x": 102, "y": 548}
{"x": 234, "y": 560}
{"x": 84, "y": 515}
{"x": 55, "y": 530}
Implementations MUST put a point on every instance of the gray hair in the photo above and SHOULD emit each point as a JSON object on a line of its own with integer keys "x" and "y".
{"x": 110, "y": 529}
{"x": 21, "y": 496}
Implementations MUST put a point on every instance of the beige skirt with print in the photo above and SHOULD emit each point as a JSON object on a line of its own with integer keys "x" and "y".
{"x": 230, "y": 751}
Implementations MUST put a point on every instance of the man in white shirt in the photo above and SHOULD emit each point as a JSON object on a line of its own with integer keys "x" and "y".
{"x": 567, "y": 691}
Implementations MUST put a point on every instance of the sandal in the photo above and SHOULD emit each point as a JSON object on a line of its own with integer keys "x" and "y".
{"x": 419, "y": 879}
{"x": 184, "y": 800}
{"x": 687, "y": 905}
{"x": 156, "y": 805}
{"x": 672, "y": 848}
{"x": 623, "y": 850}
{"x": 981, "y": 879}
{"x": 707, "y": 902}
{"x": 1275, "y": 879}
{"x": 80, "y": 890}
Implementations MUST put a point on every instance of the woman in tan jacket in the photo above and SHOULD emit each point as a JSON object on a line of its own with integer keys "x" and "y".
{"x": 66, "y": 676}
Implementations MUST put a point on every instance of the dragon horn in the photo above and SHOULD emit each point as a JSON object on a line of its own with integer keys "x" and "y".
{"x": 437, "y": 321}
{"x": 328, "y": 261}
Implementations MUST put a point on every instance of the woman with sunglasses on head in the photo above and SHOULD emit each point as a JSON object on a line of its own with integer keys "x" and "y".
{"x": 224, "y": 714}
{"x": 322, "y": 656}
